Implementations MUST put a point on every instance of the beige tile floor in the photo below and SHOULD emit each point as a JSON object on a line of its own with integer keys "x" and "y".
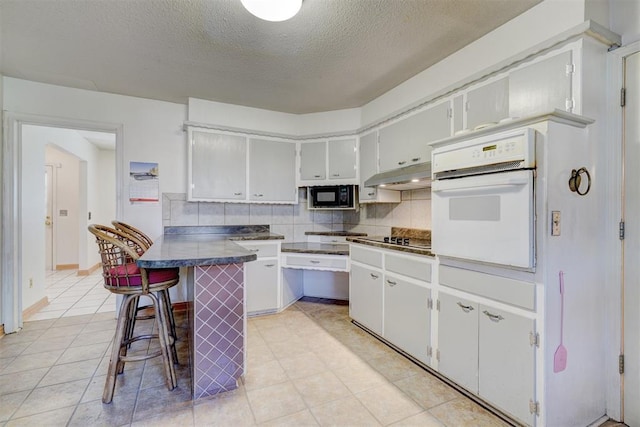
{"x": 73, "y": 295}
{"x": 307, "y": 366}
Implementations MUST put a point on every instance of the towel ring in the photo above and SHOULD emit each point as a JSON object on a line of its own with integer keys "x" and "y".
{"x": 576, "y": 180}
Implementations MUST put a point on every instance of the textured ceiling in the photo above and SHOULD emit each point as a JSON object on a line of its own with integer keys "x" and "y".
{"x": 334, "y": 54}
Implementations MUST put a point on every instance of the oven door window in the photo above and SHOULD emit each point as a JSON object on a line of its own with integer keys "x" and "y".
{"x": 487, "y": 218}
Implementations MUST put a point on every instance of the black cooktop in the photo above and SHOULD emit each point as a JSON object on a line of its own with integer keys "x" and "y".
{"x": 400, "y": 241}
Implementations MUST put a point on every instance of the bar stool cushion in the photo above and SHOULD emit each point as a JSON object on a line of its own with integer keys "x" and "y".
{"x": 129, "y": 275}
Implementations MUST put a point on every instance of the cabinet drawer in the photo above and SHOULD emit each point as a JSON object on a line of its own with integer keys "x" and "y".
{"x": 314, "y": 238}
{"x": 333, "y": 263}
{"x": 510, "y": 291}
{"x": 365, "y": 256}
{"x": 262, "y": 250}
{"x": 416, "y": 268}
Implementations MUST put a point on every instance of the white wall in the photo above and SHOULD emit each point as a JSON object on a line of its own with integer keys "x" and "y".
{"x": 152, "y": 132}
{"x": 625, "y": 20}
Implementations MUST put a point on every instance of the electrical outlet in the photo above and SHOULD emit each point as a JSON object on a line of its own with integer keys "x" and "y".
{"x": 555, "y": 223}
{"x": 31, "y": 282}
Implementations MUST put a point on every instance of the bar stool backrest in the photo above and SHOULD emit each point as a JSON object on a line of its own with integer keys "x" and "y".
{"x": 134, "y": 232}
{"x": 119, "y": 253}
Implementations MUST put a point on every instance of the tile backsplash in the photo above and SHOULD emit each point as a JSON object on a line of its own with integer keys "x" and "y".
{"x": 293, "y": 221}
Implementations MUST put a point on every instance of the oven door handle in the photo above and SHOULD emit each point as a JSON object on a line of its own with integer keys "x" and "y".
{"x": 480, "y": 183}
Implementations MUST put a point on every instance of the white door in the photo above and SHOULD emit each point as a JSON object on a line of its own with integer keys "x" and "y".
{"x": 48, "y": 219}
{"x": 632, "y": 242}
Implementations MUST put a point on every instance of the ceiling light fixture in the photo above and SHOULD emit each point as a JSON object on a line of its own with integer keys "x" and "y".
{"x": 273, "y": 10}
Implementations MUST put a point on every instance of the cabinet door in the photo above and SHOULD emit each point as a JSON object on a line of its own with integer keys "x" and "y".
{"x": 506, "y": 356}
{"x": 365, "y": 297}
{"x": 407, "y": 318}
{"x": 313, "y": 161}
{"x": 272, "y": 171}
{"x": 458, "y": 340}
{"x": 342, "y": 159}
{"x": 368, "y": 164}
{"x": 406, "y": 142}
{"x": 540, "y": 87}
{"x": 261, "y": 281}
{"x": 458, "y": 113}
{"x": 488, "y": 103}
{"x": 218, "y": 166}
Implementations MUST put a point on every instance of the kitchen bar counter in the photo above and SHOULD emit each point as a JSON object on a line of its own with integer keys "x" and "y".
{"x": 215, "y": 293}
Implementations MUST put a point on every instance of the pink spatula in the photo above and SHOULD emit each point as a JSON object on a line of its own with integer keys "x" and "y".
{"x": 560, "y": 356}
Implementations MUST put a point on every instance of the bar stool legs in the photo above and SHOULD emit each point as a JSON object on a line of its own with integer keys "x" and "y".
{"x": 124, "y": 337}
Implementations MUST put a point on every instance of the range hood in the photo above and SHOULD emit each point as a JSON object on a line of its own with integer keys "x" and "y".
{"x": 405, "y": 178}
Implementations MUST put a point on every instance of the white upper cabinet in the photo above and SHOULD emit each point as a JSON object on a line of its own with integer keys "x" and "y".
{"x": 330, "y": 162}
{"x": 313, "y": 161}
{"x": 230, "y": 168}
{"x": 406, "y": 142}
{"x": 217, "y": 166}
{"x": 368, "y": 168}
{"x": 272, "y": 171}
{"x": 488, "y": 104}
{"x": 542, "y": 86}
{"x": 342, "y": 159}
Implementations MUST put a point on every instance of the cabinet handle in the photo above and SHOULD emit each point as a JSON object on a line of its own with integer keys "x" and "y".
{"x": 371, "y": 194}
{"x": 415, "y": 159}
{"x": 237, "y": 194}
{"x": 493, "y": 317}
{"x": 254, "y": 250}
{"x": 402, "y": 162}
{"x": 374, "y": 276}
{"x": 335, "y": 174}
{"x": 258, "y": 195}
{"x": 313, "y": 261}
{"x": 391, "y": 283}
{"x": 465, "y": 308}
{"x": 317, "y": 176}
{"x": 269, "y": 265}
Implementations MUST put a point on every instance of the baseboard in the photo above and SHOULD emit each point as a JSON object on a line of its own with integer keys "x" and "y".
{"x": 66, "y": 266}
{"x": 33, "y": 309}
{"x": 89, "y": 270}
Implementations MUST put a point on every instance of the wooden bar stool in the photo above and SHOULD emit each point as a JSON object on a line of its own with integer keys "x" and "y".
{"x": 122, "y": 276}
{"x": 145, "y": 243}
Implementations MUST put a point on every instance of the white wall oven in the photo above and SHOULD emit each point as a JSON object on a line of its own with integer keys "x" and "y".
{"x": 483, "y": 199}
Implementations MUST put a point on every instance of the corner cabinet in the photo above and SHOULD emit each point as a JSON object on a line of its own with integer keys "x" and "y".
{"x": 329, "y": 162}
{"x": 227, "y": 167}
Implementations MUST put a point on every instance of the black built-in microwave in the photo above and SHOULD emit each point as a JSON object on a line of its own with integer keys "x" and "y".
{"x": 332, "y": 197}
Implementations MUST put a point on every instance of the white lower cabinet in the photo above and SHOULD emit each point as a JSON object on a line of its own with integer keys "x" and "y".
{"x": 261, "y": 281}
{"x": 262, "y": 277}
{"x": 489, "y": 352}
{"x": 407, "y": 317}
{"x": 506, "y": 361}
{"x": 458, "y": 340}
{"x": 365, "y": 297}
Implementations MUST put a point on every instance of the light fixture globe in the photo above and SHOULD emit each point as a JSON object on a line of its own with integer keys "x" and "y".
{"x": 273, "y": 10}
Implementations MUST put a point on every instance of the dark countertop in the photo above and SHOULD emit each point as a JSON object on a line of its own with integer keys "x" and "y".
{"x": 204, "y": 245}
{"x": 333, "y": 233}
{"x": 391, "y": 246}
{"x": 316, "y": 248}
{"x": 193, "y": 249}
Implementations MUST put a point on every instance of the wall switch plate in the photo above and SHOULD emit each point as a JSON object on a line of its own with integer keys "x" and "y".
{"x": 555, "y": 223}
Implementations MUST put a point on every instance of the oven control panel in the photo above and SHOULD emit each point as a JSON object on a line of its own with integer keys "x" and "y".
{"x": 514, "y": 147}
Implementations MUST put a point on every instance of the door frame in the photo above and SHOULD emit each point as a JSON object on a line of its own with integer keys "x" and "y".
{"x": 11, "y": 245}
{"x": 613, "y": 245}
{"x": 54, "y": 196}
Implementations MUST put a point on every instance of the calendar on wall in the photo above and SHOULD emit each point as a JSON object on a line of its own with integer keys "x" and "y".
{"x": 144, "y": 182}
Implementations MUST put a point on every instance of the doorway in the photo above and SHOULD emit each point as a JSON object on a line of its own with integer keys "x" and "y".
{"x": 631, "y": 243}
{"x": 23, "y": 228}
